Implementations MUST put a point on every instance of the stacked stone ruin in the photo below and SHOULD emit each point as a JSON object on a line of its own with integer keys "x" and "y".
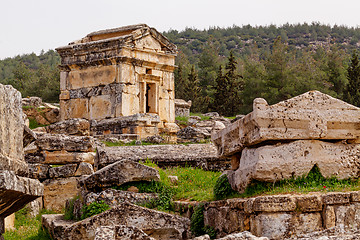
{"x": 289, "y": 138}
{"x": 59, "y": 160}
{"x": 16, "y": 189}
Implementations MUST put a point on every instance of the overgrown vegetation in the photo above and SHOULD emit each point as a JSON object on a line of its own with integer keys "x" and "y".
{"x": 197, "y": 226}
{"x": 28, "y": 228}
{"x": 222, "y": 188}
{"x": 69, "y": 209}
{"x": 34, "y": 124}
{"x": 93, "y": 209}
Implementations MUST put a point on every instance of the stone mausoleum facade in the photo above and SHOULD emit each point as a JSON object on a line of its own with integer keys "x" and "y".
{"x": 116, "y": 73}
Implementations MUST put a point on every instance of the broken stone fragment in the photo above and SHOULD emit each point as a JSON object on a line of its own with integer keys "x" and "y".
{"x": 58, "y": 142}
{"x": 119, "y": 173}
{"x": 312, "y": 115}
{"x": 64, "y": 157}
{"x": 39, "y": 171}
{"x": 29, "y": 136}
{"x": 65, "y": 171}
{"x": 84, "y": 168}
{"x": 74, "y": 126}
{"x": 282, "y": 161}
{"x": 156, "y": 224}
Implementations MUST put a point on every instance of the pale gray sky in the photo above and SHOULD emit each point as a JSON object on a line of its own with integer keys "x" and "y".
{"x": 31, "y": 25}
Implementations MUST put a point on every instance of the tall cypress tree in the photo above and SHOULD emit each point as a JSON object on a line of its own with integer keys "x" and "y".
{"x": 353, "y": 76}
{"x": 192, "y": 90}
{"x": 220, "y": 95}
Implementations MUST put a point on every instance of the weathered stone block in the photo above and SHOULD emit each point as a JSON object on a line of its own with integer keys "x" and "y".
{"x": 312, "y": 115}
{"x": 279, "y": 203}
{"x": 100, "y": 107}
{"x": 309, "y": 203}
{"x": 64, "y": 157}
{"x": 305, "y": 223}
{"x": 75, "y": 126}
{"x": 58, "y": 142}
{"x": 38, "y": 171}
{"x": 76, "y": 108}
{"x": 119, "y": 173}
{"x": 65, "y": 171}
{"x": 271, "y": 225}
{"x": 92, "y": 76}
{"x": 57, "y": 191}
{"x": 276, "y": 162}
{"x": 120, "y": 232}
{"x": 16, "y": 192}
{"x": 336, "y": 198}
{"x": 84, "y": 168}
{"x": 197, "y": 155}
{"x": 355, "y": 196}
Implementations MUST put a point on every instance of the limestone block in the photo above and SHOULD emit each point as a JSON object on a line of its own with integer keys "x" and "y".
{"x": 38, "y": 171}
{"x": 35, "y": 207}
{"x": 77, "y": 108}
{"x": 329, "y": 217}
{"x": 312, "y": 115}
{"x": 64, "y": 84}
{"x": 100, "y": 107}
{"x": 225, "y": 220}
{"x": 32, "y": 101}
{"x": 277, "y": 203}
{"x": 120, "y": 232}
{"x": 347, "y": 216}
{"x": 84, "y": 168}
{"x": 336, "y": 198}
{"x": 57, "y": 191}
{"x": 283, "y": 161}
{"x": 75, "y": 126}
{"x": 119, "y": 173}
{"x": 17, "y": 191}
{"x": 64, "y": 157}
{"x": 11, "y": 131}
{"x": 28, "y": 137}
{"x": 92, "y": 76}
{"x": 156, "y": 224}
{"x": 10, "y": 222}
{"x": 64, "y": 95}
{"x": 55, "y": 224}
{"x": 306, "y": 223}
{"x": 355, "y": 196}
{"x": 162, "y": 154}
{"x": 271, "y": 225}
{"x": 131, "y": 107}
{"x": 65, "y": 171}
{"x": 148, "y": 42}
{"x": 309, "y": 203}
{"x": 53, "y": 115}
{"x": 127, "y": 73}
{"x": 58, "y": 142}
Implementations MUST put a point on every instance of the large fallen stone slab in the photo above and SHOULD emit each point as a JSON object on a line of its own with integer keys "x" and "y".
{"x": 119, "y": 173}
{"x": 58, "y": 142}
{"x": 16, "y": 192}
{"x": 197, "y": 155}
{"x": 312, "y": 115}
{"x": 156, "y": 224}
{"x": 74, "y": 126}
{"x": 277, "y": 162}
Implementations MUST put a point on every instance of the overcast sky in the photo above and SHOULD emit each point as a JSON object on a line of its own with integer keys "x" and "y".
{"x": 32, "y": 25}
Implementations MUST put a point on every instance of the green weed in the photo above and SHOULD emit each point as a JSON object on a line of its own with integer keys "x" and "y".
{"x": 34, "y": 124}
{"x": 222, "y": 188}
{"x": 197, "y": 225}
{"x": 94, "y": 208}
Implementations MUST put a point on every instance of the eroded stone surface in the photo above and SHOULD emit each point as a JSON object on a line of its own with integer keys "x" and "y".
{"x": 182, "y": 107}
{"x": 312, "y": 115}
{"x": 120, "y": 232}
{"x": 197, "y": 155}
{"x": 119, "y": 173}
{"x": 65, "y": 171}
{"x": 276, "y": 162}
{"x": 75, "y": 126}
{"x": 58, "y": 142}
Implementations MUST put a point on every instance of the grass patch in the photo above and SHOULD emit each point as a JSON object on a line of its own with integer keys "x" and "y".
{"x": 34, "y": 124}
{"x": 182, "y": 120}
{"x": 203, "y": 118}
{"x": 94, "y": 208}
{"x": 28, "y": 228}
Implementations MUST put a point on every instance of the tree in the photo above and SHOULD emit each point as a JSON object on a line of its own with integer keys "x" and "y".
{"x": 353, "y": 76}
{"x": 193, "y": 90}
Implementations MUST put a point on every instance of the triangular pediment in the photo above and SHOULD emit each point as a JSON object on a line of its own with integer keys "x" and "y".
{"x": 314, "y": 100}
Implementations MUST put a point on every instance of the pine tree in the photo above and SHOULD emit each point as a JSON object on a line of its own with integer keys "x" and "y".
{"x": 180, "y": 83}
{"x": 353, "y": 76}
{"x": 220, "y": 96}
{"x": 192, "y": 90}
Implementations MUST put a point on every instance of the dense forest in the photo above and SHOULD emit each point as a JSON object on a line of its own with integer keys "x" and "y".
{"x": 224, "y": 69}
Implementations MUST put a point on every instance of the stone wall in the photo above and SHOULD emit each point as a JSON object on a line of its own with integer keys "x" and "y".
{"x": 285, "y": 216}
{"x": 58, "y": 161}
{"x": 197, "y": 155}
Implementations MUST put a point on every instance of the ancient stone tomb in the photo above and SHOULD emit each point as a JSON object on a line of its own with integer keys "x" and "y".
{"x": 116, "y": 73}
{"x": 287, "y": 139}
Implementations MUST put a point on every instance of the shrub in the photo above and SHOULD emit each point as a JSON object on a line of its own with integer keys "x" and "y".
{"x": 222, "y": 188}
{"x": 93, "y": 209}
{"x": 197, "y": 225}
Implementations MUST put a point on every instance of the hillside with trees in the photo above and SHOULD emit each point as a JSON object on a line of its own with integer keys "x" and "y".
{"x": 224, "y": 69}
